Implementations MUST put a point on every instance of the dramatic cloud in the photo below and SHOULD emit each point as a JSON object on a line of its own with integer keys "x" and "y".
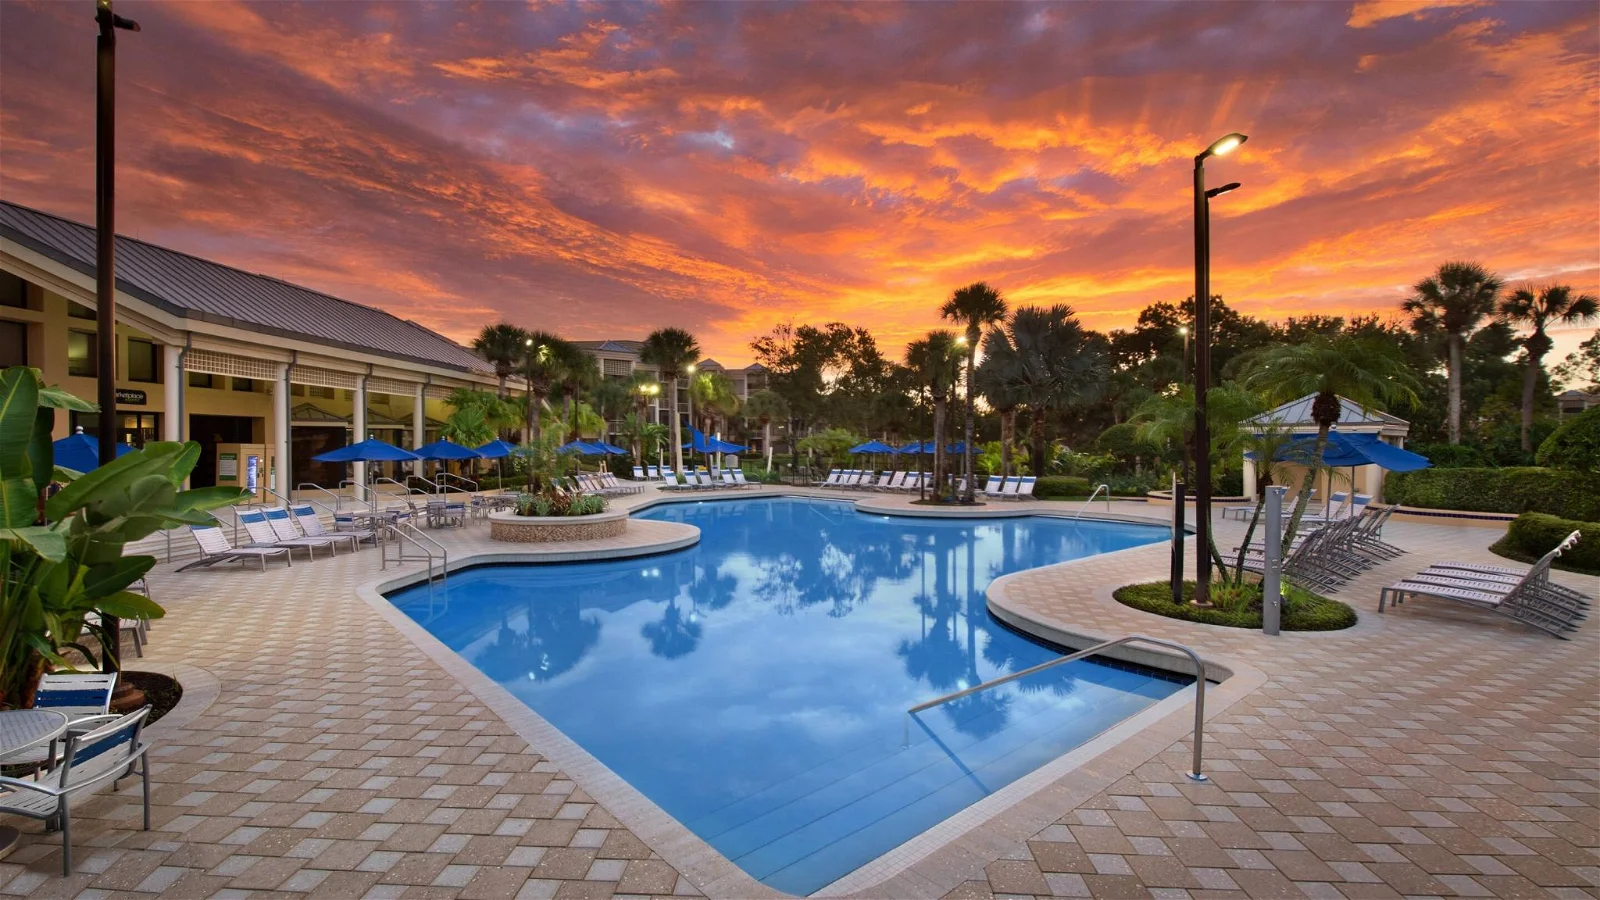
{"x": 601, "y": 169}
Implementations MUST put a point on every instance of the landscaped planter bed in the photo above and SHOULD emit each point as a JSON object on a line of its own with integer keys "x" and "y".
{"x": 512, "y": 528}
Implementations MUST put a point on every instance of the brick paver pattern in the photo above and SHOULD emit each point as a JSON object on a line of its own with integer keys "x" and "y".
{"x": 1430, "y": 751}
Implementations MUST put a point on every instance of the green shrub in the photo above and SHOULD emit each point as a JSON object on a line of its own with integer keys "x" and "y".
{"x": 1531, "y": 536}
{"x": 1559, "y": 492}
{"x": 1057, "y": 487}
{"x": 1452, "y": 456}
{"x": 1575, "y": 445}
{"x": 1239, "y": 607}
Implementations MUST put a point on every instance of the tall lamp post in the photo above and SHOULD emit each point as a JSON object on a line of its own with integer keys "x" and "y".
{"x": 1202, "y": 361}
{"x": 105, "y": 264}
{"x": 1183, "y": 377}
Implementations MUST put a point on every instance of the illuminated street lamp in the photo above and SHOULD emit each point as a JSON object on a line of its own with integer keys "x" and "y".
{"x": 1184, "y": 330}
{"x": 1202, "y": 360}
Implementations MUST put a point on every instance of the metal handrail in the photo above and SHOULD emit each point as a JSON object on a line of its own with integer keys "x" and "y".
{"x": 360, "y": 490}
{"x": 384, "y": 479}
{"x": 1199, "y": 684}
{"x": 405, "y": 531}
{"x": 423, "y": 479}
{"x": 1098, "y": 488}
{"x": 460, "y": 478}
{"x": 289, "y": 502}
{"x": 338, "y": 499}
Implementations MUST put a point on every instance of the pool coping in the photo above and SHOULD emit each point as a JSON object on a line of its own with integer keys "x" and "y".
{"x": 1008, "y": 816}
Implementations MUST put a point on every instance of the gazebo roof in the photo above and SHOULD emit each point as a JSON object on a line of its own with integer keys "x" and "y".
{"x": 1296, "y": 414}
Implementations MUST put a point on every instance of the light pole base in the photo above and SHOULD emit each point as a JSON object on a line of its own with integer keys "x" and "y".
{"x": 1197, "y": 776}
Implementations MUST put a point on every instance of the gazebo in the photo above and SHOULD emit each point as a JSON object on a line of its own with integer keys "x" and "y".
{"x": 1295, "y": 416}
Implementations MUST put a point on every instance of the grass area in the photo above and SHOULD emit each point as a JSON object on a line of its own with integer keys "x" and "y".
{"x": 1507, "y": 548}
{"x": 1239, "y": 607}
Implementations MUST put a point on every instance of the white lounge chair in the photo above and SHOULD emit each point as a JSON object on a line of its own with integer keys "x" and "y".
{"x": 1531, "y": 598}
{"x": 94, "y": 756}
{"x": 214, "y": 548}
{"x": 995, "y": 486}
{"x": 261, "y": 534}
{"x": 1020, "y": 489}
{"x": 311, "y": 524}
{"x": 283, "y": 527}
{"x": 739, "y": 479}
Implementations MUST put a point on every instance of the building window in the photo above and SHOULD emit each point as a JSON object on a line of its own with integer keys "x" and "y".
{"x": 133, "y": 429}
{"x": 202, "y": 380}
{"x": 244, "y": 384}
{"x": 79, "y": 311}
{"x": 13, "y": 291}
{"x": 13, "y": 344}
{"x": 144, "y": 361}
{"x": 82, "y": 353}
{"x": 297, "y": 390}
{"x": 349, "y": 395}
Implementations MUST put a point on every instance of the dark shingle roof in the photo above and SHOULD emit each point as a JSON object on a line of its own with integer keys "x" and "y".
{"x": 194, "y": 288}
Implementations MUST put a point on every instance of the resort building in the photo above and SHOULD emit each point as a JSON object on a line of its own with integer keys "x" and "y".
{"x": 1295, "y": 417}
{"x": 620, "y": 359}
{"x": 264, "y": 374}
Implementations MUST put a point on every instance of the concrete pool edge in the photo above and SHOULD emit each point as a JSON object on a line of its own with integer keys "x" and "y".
{"x": 905, "y": 870}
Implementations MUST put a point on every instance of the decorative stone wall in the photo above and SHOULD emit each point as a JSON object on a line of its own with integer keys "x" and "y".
{"x": 512, "y": 528}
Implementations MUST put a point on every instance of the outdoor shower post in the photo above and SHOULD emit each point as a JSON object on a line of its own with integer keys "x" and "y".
{"x": 1179, "y": 490}
{"x": 1272, "y": 568}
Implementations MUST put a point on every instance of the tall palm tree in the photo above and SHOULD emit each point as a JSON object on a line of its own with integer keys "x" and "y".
{"x": 1553, "y": 303}
{"x": 935, "y": 360}
{"x": 671, "y": 351}
{"x": 501, "y": 346}
{"x": 579, "y": 373}
{"x": 997, "y": 379}
{"x": 765, "y": 406}
{"x": 1364, "y": 370}
{"x": 977, "y": 306}
{"x": 543, "y": 365}
{"x": 1455, "y": 300}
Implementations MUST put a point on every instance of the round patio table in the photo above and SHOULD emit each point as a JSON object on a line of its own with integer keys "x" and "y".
{"x": 21, "y": 729}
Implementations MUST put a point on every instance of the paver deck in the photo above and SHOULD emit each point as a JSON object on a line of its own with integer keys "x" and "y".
{"x": 1427, "y": 751}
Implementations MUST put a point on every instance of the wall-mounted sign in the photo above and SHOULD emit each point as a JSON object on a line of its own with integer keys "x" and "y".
{"x": 228, "y": 465}
{"x": 131, "y": 397}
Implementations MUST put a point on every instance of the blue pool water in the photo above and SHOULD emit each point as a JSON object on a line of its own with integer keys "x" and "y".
{"x": 755, "y": 686}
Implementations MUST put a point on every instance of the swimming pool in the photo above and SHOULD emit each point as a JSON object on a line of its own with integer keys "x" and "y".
{"x": 755, "y": 686}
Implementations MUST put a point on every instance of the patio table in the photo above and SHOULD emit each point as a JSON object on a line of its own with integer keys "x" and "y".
{"x": 21, "y": 729}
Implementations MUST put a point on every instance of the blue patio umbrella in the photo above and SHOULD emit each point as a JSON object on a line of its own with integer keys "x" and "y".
{"x": 873, "y": 447}
{"x": 81, "y": 452}
{"x": 443, "y": 449}
{"x": 1351, "y": 450}
{"x": 611, "y": 448}
{"x": 370, "y": 450}
{"x": 497, "y": 449}
{"x": 581, "y": 448}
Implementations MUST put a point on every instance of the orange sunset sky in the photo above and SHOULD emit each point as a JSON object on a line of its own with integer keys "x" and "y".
{"x": 601, "y": 169}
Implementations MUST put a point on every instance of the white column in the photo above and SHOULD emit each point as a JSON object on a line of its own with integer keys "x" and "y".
{"x": 419, "y": 431}
{"x": 359, "y": 432}
{"x": 1249, "y": 477}
{"x": 280, "y": 431}
{"x": 172, "y": 385}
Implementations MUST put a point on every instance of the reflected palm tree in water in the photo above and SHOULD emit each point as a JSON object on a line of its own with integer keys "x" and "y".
{"x": 675, "y": 635}
{"x": 814, "y": 567}
{"x": 557, "y": 637}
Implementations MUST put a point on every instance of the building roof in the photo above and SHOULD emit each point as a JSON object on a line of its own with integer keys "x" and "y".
{"x": 611, "y": 346}
{"x": 1298, "y": 413}
{"x": 194, "y": 288}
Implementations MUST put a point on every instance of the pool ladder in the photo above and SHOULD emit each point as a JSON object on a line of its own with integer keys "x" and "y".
{"x": 1097, "y": 490}
{"x": 1199, "y": 685}
{"x": 401, "y": 534}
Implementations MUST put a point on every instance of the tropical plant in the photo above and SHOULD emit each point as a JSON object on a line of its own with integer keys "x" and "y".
{"x": 765, "y": 407}
{"x": 976, "y": 306}
{"x": 1575, "y": 445}
{"x": 831, "y": 444}
{"x": 543, "y": 461}
{"x": 1454, "y": 301}
{"x": 935, "y": 363}
{"x": 997, "y": 379}
{"x": 579, "y": 373}
{"x": 671, "y": 351}
{"x": 62, "y": 558}
{"x": 715, "y": 399}
{"x": 1553, "y": 303}
{"x": 502, "y": 346}
{"x": 643, "y": 436}
{"x": 1581, "y": 368}
{"x": 476, "y": 417}
{"x": 544, "y": 363}
{"x": 1051, "y": 361}
{"x": 1268, "y": 444}
{"x": 611, "y": 398}
{"x": 1365, "y": 371}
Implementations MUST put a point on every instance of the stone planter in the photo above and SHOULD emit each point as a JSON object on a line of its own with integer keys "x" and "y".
{"x": 512, "y": 528}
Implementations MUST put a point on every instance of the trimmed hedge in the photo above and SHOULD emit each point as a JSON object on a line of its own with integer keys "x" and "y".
{"x": 1531, "y": 536}
{"x": 1571, "y": 494}
{"x": 1059, "y": 487}
{"x": 1575, "y": 445}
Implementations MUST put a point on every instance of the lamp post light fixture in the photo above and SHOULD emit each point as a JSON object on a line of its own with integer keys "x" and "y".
{"x": 1202, "y": 359}
{"x": 1184, "y": 369}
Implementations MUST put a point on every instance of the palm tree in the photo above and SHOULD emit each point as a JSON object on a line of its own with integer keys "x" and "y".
{"x": 1265, "y": 445}
{"x": 936, "y": 362}
{"x": 671, "y": 351}
{"x": 1051, "y": 361}
{"x": 543, "y": 366}
{"x": 764, "y": 406}
{"x": 977, "y": 306}
{"x": 501, "y": 346}
{"x": 1363, "y": 370}
{"x": 997, "y": 379}
{"x": 1454, "y": 300}
{"x": 579, "y": 373}
{"x": 1553, "y": 303}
